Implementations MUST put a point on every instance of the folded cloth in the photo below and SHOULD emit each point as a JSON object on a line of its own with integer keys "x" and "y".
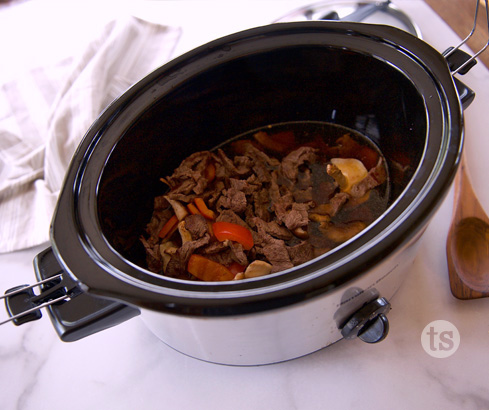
{"x": 37, "y": 142}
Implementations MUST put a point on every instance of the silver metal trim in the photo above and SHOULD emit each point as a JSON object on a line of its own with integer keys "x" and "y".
{"x": 362, "y": 10}
{"x": 469, "y": 36}
{"x": 38, "y": 307}
{"x": 35, "y": 309}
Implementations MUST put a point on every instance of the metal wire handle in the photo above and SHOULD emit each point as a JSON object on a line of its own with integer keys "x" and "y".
{"x": 43, "y": 304}
{"x": 448, "y": 53}
{"x": 34, "y": 309}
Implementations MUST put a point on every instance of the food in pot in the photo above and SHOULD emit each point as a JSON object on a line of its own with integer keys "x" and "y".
{"x": 265, "y": 202}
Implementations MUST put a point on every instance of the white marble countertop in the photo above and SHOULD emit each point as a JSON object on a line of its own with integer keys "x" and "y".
{"x": 126, "y": 367}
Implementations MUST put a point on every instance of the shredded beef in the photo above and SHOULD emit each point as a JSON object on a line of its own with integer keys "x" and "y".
{"x": 160, "y": 203}
{"x": 375, "y": 177}
{"x": 273, "y": 249}
{"x": 224, "y": 257}
{"x": 260, "y": 156}
{"x": 245, "y": 186}
{"x": 160, "y": 216}
{"x": 196, "y": 225}
{"x": 214, "y": 247}
{"x": 230, "y": 216}
{"x": 232, "y": 199}
{"x": 294, "y": 205}
{"x": 228, "y": 169}
{"x": 278, "y": 231}
{"x": 243, "y": 164}
{"x": 337, "y": 202}
{"x": 213, "y": 194}
{"x": 237, "y": 253}
{"x": 304, "y": 179}
{"x": 297, "y": 216}
{"x": 291, "y": 163}
{"x": 334, "y": 206}
{"x": 262, "y": 163}
{"x": 191, "y": 168}
{"x": 261, "y": 237}
{"x": 189, "y": 247}
{"x": 226, "y": 252}
{"x": 153, "y": 258}
{"x": 301, "y": 253}
{"x": 261, "y": 201}
{"x": 276, "y": 253}
{"x": 302, "y": 195}
{"x": 282, "y": 205}
{"x": 184, "y": 188}
{"x": 174, "y": 268}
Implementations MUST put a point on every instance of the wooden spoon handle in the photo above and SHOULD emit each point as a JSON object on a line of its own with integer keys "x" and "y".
{"x": 467, "y": 244}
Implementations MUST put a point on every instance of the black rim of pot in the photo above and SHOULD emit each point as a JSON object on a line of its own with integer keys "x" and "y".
{"x": 83, "y": 251}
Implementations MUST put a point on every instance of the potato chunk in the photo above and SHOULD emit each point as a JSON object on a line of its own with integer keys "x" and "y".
{"x": 352, "y": 169}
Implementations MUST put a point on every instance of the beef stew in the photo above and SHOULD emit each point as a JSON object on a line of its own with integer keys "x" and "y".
{"x": 265, "y": 201}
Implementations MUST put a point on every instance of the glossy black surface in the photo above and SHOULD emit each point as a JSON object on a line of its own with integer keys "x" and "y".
{"x": 22, "y": 302}
{"x": 290, "y": 84}
{"x": 84, "y": 314}
{"x": 378, "y": 80}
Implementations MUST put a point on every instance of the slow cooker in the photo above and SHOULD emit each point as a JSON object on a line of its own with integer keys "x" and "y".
{"x": 375, "y": 79}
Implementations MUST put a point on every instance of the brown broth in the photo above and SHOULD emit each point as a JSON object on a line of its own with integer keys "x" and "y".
{"x": 287, "y": 137}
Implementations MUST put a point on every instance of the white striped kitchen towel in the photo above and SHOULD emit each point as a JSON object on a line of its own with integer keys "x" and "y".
{"x": 45, "y": 113}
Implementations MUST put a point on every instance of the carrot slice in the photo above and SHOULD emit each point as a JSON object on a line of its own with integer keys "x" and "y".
{"x": 280, "y": 141}
{"x": 210, "y": 172}
{"x": 202, "y": 207}
{"x": 208, "y": 270}
{"x": 193, "y": 209}
{"x": 169, "y": 227}
{"x": 233, "y": 232}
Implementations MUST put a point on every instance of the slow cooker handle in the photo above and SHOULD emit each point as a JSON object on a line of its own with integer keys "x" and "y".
{"x": 83, "y": 314}
{"x": 460, "y": 62}
{"x": 74, "y": 313}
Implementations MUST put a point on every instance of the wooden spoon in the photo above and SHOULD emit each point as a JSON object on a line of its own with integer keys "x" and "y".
{"x": 468, "y": 242}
